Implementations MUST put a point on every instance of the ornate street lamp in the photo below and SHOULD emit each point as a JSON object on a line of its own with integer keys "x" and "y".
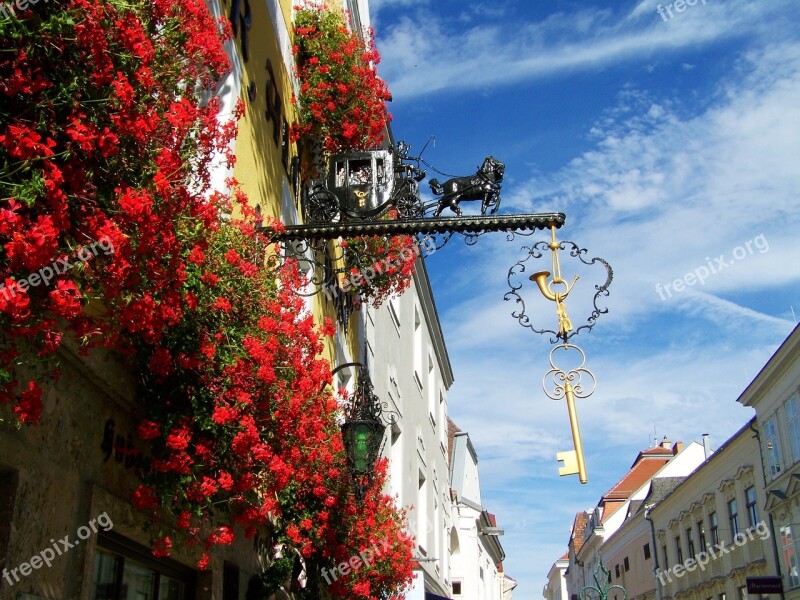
{"x": 601, "y": 588}
{"x": 362, "y": 431}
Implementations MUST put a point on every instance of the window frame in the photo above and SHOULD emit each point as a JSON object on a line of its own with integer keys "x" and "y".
{"x": 793, "y": 425}
{"x": 772, "y": 445}
{"x": 733, "y": 517}
{"x": 701, "y": 535}
{"x": 119, "y": 546}
{"x": 751, "y": 505}
{"x": 789, "y": 551}
{"x": 713, "y": 527}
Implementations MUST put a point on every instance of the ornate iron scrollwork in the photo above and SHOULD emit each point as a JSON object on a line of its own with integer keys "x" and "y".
{"x": 536, "y": 251}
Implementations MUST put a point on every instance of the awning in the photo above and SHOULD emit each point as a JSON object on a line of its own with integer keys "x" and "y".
{"x": 432, "y": 596}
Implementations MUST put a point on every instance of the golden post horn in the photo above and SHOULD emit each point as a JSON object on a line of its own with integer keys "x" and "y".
{"x": 541, "y": 280}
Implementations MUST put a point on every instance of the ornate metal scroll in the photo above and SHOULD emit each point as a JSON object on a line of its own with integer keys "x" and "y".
{"x": 536, "y": 251}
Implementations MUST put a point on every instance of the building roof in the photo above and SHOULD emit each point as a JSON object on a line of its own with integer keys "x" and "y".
{"x": 646, "y": 466}
{"x": 648, "y": 462}
{"x": 708, "y": 460}
{"x": 576, "y": 537}
{"x": 452, "y": 430}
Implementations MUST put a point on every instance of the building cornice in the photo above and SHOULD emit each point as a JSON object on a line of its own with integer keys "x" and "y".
{"x": 781, "y": 361}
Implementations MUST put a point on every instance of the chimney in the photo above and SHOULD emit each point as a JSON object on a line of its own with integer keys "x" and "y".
{"x": 665, "y": 443}
{"x": 678, "y": 447}
{"x": 706, "y": 445}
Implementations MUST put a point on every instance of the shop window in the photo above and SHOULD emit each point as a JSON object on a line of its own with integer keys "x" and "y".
{"x": 230, "y": 582}
{"x": 9, "y": 481}
{"x": 790, "y": 564}
{"x": 124, "y": 569}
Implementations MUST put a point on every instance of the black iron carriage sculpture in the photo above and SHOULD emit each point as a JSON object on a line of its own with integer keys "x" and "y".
{"x": 484, "y": 185}
{"x": 366, "y": 185}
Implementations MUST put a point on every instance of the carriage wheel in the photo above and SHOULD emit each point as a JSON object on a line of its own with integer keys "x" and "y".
{"x": 322, "y": 207}
{"x": 409, "y": 206}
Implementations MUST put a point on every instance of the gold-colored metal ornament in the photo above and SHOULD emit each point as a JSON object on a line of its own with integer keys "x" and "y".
{"x": 565, "y": 383}
{"x": 569, "y": 384}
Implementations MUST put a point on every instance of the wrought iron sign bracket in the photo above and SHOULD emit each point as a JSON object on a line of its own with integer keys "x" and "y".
{"x": 469, "y": 226}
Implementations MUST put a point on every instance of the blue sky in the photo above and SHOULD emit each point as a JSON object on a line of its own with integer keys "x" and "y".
{"x": 669, "y": 144}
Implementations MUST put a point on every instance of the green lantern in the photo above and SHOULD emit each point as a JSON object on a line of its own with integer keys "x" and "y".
{"x": 362, "y": 432}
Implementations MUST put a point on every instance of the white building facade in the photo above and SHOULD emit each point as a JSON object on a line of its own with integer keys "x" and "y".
{"x": 476, "y": 552}
{"x": 411, "y": 373}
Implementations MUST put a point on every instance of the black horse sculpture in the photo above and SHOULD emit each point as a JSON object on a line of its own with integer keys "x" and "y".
{"x": 484, "y": 185}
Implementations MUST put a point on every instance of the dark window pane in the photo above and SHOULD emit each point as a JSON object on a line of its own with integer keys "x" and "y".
{"x": 138, "y": 582}
{"x": 105, "y": 581}
{"x": 170, "y": 589}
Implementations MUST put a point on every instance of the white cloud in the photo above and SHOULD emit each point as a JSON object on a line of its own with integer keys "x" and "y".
{"x": 423, "y": 53}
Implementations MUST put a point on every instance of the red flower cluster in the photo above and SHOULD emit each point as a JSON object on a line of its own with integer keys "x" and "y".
{"x": 106, "y": 134}
{"x": 76, "y": 170}
{"x": 342, "y": 99}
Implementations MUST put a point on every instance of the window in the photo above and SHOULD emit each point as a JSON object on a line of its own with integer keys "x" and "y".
{"x": 647, "y": 551}
{"x": 431, "y": 391}
{"x": 678, "y": 550}
{"x": 689, "y": 541}
{"x": 701, "y": 535}
{"x": 627, "y": 564}
{"x": 713, "y": 527}
{"x": 743, "y": 593}
{"x": 456, "y": 588}
{"x": 230, "y": 581}
{"x": 394, "y": 312}
{"x": 9, "y": 482}
{"x": 752, "y": 509}
{"x": 124, "y": 569}
{"x": 773, "y": 446}
{"x": 789, "y": 556}
{"x": 664, "y": 553}
{"x": 721, "y": 596}
{"x": 422, "y": 514}
{"x": 792, "y": 410}
{"x": 733, "y": 518}
{"x": 616, "y": 571}
{"x": 396, "y": 460}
